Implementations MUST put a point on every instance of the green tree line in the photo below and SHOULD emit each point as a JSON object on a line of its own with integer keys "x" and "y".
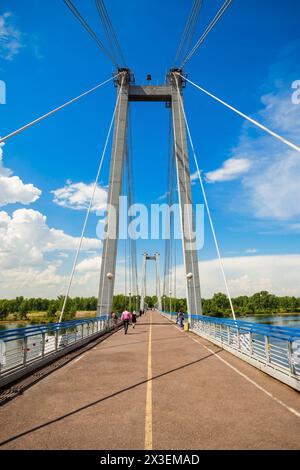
{"x": 259, "y": 303}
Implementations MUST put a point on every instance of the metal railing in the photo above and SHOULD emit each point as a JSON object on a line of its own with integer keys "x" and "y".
{"x": 28, "y": 348}
{"x": 273, "y": 349}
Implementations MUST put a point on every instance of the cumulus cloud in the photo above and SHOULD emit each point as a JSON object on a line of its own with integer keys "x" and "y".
{"x": 12, "y": 188}
{"x": 10, "y": 37}
{"x": 89, "y": 265}
{"x": 246, "y": 275}
{"x": 270, "y": 171}
{"x": 272, "y": 187}
{"x": 269, "y": 188}
{"x": 45, "y": 281}
{"x": 230, "y": 170}
{"x": 77, "y": 196}
{"x": 33, "y": 256}
{"x": 25, "y": 239}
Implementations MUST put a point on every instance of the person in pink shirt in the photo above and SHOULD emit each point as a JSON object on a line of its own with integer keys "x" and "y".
{"x": 126, "y": 318}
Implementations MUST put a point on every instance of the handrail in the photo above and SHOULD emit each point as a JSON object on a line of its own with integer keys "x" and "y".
{"x": 279, "y": 332}
{"x": 270, "y": 330}
{"x": 28, "y": 331}
{"x": 273, "y": 349}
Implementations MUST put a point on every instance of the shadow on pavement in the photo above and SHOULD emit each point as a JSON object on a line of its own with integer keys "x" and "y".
{"x": 89, "y": 405}
{"x": 170, "y": 338}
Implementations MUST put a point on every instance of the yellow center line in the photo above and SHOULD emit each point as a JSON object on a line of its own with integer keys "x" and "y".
{"x": 148, "y": 414}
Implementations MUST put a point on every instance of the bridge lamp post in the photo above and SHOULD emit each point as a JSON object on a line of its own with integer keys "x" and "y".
{"x": 189, "y": 277}
{"x": 110, "y": 277}
{"x": 129, "y": 293}
{"x": 136, "y": 303}
{"x": 170, "y": 293}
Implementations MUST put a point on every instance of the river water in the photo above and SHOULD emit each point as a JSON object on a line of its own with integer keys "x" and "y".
{"x": 11, "y": 326}
{"x": 292, "y": 321}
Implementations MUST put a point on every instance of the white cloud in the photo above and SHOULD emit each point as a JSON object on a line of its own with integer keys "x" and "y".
{"x": 89, "y": 265}
{"x": 230, "y": 170}
{"x": 10, "y": 37}
{"x": 246, "y": 275}
{"x": 271, "y": 188}
{"x": 26, "y": 243}
{"x": 77, "y": 196}
{"x": 12, "y": 188}
{"x": 295, "y": 227}
{"x": 25, "y": 238}
{"x": 251, "y": 250}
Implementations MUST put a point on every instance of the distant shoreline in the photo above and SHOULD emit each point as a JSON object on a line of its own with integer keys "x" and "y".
{"x": 28, "y": 322}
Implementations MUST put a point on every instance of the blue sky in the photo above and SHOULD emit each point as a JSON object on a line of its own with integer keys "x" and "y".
{"x": 250, "y": 59}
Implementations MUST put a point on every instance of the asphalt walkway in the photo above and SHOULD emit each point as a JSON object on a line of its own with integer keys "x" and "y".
{"x": 155, "y": 388}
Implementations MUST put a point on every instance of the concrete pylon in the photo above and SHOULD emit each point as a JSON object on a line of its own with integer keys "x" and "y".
{"x": 189, "y": 245}
{"x": 144, "y": 278}
{"x": 158, "y": 286}
{"x": 110, "y": 242}
{"x": 168, "y": 94}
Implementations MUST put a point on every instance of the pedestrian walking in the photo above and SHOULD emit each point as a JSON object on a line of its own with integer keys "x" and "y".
{"x": 133, "y": 319}
{"x": 114, "y": 318}
{"x": 126, "y": 318}
{"x": 181, "y": 318}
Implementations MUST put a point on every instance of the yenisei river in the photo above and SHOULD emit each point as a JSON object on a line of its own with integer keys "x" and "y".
{"x": 11, "y": 326}
{"x": 292, "y": 321}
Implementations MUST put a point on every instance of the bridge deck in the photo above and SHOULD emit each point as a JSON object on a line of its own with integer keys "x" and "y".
{"x": 201, "y": 399}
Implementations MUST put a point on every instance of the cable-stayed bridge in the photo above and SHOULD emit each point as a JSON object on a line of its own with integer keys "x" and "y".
{"x": 83, "y": 384}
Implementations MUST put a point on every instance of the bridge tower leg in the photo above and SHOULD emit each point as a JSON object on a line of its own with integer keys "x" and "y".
{"x": 189, "y": 244}
{"x": 143, "y": 293}
{"x": 158, "y": 289}
{"x": 110, "y": 243}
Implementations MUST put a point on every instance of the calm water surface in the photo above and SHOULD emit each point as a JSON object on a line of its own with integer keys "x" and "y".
{"x": 12, "y": 326}
{"x": 292, "y": 321}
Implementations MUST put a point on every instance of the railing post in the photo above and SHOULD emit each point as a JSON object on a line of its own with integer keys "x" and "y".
{"x": 43, "y": 343}
{"x": 228, "y": 334}
{"x": 251, "y": 343}
{"x": 238, "y": 337}
{"x": 291, "y": 357}
{"x": 56, "y": 339}
{"x": 82, "y": 331}
{"x": 25, "y": 342}
{"x": 267, "y": 349}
